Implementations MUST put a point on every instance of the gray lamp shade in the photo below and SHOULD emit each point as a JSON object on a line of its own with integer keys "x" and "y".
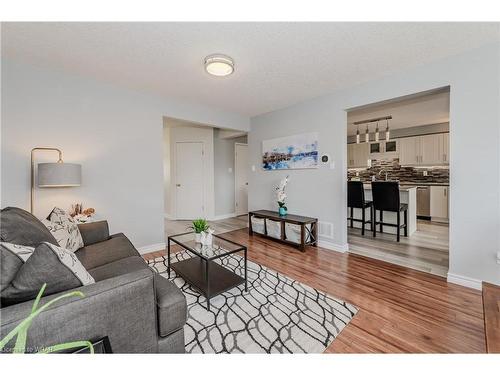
{"x": 59, "y": 174}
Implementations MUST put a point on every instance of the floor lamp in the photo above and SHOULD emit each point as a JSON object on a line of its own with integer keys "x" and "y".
{"x": 57, "y": 174}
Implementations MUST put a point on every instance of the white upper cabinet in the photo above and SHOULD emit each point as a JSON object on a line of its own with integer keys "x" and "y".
{"x": 445, "y": 148}
{"x": 409, "y": 151}
{"x": 424, "y": 150}
{"x": 430, "y": 149}
{"x": 358, "y": 155}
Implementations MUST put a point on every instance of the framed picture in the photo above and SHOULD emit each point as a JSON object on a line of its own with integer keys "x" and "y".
{"x": 292, "y": 152}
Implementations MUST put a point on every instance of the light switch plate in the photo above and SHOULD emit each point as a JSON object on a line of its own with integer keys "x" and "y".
{"x": 230, "y": 170}
{"x": 253, "y": 168}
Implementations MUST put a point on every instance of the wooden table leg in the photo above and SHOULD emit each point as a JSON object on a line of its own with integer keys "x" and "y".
{"x": 302, "y": 238}
{"x": 315, "y": 233}
{"x": 250, "y": 230}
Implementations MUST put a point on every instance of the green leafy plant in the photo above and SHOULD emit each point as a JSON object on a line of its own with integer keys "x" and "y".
{"x": 199, "y": 225}
{"x": 21, "y": 330}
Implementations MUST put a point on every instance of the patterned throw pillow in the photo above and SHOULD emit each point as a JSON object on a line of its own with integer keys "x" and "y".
{"x": 59, "y": 268}
{"x": 59, "y": 216}
{"x": 66, "y": 234}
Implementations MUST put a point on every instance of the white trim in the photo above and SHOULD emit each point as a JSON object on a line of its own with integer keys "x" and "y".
{"x": 235, "y": 176}
{"x": 224, "y": 216}
{"x": 468, "y": 282}
{"x": 153, "y": 247}
{"x": 333, "y": 246}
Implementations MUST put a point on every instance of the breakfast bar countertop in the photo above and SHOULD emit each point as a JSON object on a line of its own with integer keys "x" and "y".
{"x": 368, "y": 186}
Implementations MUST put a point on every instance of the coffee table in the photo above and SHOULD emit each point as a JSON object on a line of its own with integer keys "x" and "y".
{"x": 201, "y": 271}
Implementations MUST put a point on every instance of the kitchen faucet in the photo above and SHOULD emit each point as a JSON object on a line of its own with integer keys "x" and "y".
{"x": 383, "y": 170}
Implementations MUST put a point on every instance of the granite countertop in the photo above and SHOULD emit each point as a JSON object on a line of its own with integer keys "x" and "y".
{"x": 417, "y": 183}
{"x": 368, "y": 186}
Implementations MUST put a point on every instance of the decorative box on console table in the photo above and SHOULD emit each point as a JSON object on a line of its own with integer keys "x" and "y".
{"x": 291, "y": 229}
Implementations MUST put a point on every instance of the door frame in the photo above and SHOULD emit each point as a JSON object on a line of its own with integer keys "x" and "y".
{"x": 174, "y": 179}
{"x": 235, "y": 195}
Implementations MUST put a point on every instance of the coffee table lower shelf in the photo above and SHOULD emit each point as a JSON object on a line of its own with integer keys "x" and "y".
{"x": 219, "y": 280}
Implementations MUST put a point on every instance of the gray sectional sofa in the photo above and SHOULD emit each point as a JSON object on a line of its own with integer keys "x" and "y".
{"x": 140, "y": 311}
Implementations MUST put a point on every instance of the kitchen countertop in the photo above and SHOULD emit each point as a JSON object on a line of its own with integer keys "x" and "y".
{"x": 368, "y": 186}
{"x": 418, "y": 183}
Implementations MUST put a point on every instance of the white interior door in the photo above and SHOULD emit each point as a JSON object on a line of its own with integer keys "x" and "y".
{"x": 241, "y": 178}
{"x": 189, "y": 180}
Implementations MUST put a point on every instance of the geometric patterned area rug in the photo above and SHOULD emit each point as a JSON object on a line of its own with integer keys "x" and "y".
{"x": 276, "y": 315}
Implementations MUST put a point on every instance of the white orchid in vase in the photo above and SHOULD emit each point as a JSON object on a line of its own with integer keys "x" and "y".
{"x": 281, "y": 196}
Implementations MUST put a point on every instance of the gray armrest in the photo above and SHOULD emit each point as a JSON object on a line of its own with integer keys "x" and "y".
{"x": 94, "y": 232}
{"x": 122, "y": 308}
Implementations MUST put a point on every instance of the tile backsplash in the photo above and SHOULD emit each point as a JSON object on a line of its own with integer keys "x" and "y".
{"x": 398, "y": 172}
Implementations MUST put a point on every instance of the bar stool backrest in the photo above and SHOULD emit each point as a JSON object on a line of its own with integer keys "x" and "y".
{"x": 355, "y": 194}
{"x": 386, "y": 195}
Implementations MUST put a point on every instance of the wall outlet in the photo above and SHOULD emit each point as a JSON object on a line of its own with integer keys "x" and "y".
{"x": 357, "y": 173}
{"x": 425, "y": 173}
{"x": 230, "y": 170}
{"x": 253, "y": 168}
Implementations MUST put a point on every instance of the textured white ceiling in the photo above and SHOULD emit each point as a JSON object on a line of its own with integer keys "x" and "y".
{"x": 420, "y": 110}
{"x": 277, "y": 64}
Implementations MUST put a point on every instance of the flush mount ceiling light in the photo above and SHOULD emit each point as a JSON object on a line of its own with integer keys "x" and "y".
{"x": 219, "y": 65}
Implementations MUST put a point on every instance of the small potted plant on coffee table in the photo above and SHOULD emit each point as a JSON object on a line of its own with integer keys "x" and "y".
{"x": 199, "y": 226}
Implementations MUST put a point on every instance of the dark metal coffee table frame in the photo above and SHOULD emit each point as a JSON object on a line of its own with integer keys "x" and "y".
{"x": 210, "y": 278}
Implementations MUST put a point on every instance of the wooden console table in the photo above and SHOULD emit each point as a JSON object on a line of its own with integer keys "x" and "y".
{"x": 308, "y": 236}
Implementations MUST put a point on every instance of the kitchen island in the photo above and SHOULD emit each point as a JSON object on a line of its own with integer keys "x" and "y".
{"x": 407, "y": 195}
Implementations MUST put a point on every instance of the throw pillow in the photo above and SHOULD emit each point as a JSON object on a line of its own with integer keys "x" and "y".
{"x": 50, "y": 264}
{"x": 59, "y": 216}
{"x": 22, "y": 228}
{"x": 12, "y": 257}
{"x": 66, "y": 234}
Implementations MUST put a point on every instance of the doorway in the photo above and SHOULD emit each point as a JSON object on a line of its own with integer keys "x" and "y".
{"x": 403, "y": 141}
{"x": 241, "y": 178}
{"x": 189, "y": 179}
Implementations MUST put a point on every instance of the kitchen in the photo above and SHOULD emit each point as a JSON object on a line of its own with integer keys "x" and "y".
{"x": 405, "y": 141}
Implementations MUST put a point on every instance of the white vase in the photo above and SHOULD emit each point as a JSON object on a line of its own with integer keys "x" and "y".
{"x": 197, "y": 237}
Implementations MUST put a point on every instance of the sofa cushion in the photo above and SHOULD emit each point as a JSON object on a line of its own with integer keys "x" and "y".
{"x": 22, "y": 228}
{"x": 50, "y": 264}
{"x": 117, "y": 247}
{"x": 95, "y": 232}
{"x": 12, "y": 257}
{"x": 171, "y": 305}
{"x": 66, "y": 234}
{"x": 117, "y": 268}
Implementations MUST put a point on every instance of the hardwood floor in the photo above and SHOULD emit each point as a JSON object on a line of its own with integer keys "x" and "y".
{"x": 426, "y": 250}
{"x": 401, "y": 310}
{"x": 491, "y": 302}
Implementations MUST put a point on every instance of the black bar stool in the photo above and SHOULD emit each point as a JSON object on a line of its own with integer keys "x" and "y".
{"x": 386, "y": 198}
{"x": 356, "y": 199}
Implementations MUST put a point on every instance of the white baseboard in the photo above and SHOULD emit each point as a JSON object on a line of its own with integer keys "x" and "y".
{"x": 469, "y": 282}
{"x": 150, "y": 248}
{"x": 333, "y": 246}
{"x": 225, "y": 216}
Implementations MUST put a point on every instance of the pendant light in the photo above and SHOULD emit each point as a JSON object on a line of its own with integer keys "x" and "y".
{"x": 377, "y": 134}
{"x": 367, "y": 135}
{"x": 357, "y": 135}
{"x": 387, "y": 132}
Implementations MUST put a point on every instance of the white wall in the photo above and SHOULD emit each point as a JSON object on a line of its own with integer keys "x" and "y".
{"x": 205, "y": 135}
{"x": 474, "y": 78}
{"x": 115, "y": 133}
{"x": 224, "y": 179}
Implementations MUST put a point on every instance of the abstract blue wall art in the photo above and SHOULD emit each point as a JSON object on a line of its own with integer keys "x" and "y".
{"x": 293, "y": 152}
